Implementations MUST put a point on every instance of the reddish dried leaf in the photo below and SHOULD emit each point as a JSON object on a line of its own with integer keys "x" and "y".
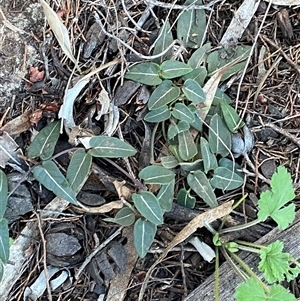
{"x": 35, "y": 75}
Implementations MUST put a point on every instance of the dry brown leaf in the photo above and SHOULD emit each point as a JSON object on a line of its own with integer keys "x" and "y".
{"x": 18, "y": 125}
{"x": 122, "y": 190}
{"x": 101, "y": 209}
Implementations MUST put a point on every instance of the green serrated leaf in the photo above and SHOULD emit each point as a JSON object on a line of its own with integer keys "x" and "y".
{"x": 163, "y": 94}
{"x": 44, "y": 142}
{"x": 199, "y": 56}
{"x": 143, "y": 236}
{"x": 271, "y": 202}
{"x": 50, "y": 176}
{"x": 169, "y": 162}
{"x": 209, "y": 159}
{"x": 148, "y": 206}
{"x": 200, "y": 184}
{"x": 124, "y": 217}
{"x": 4, "y": 240}
{"x": 110, "y": 147}
{"x": 183, "y": 113}
{"x": 158, "y": 115}
{"x": 165, "y": 196}
{"x": 231, "y": 117}
{"x": 198, "y": 75}
{"x": 3, "y": 193}
{"x": 225, "y": 179}
{"x": 78, "y": 168}
{"x": 219, "y": 138}
{"x": 156, "y": 175}
{"x": 145, "y": 73}
{"x": 163, "y": 42}
{"x": 193, "y": 91}
{"x": 186, "y": 145}
{"x": 280, "y": 293}
{"x": 172, "y": 69}
{"x": 191, "y": 25}
{"x": 185, "y": 199}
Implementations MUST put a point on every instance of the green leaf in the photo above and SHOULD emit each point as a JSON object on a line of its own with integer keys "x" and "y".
{"x": 199, "y": 56}
{"x": 271, "y": 202}
{"x": 220, "y": 96}
{"x": 191, "y": 25}
{"x": 1, "y": 270}
{"x": 143, "y": 236}
{"x": 186, "y": 145}
{"x": 158, "y": 115}
{"x": 145, "y": 73}
{"x": 200, "y": 184}
{"x": 50, "y": 176}
{"x": 275, "y": 264}
{"x": 163, "y": 94}
{"x": 110, "y": 147}
{"x": 185, "y": 199}
{"x": 3, "y": 193}
{"x": 197, "y": 124}
{"x": 225, "y": 179}
{"x": 198, "y": 75}
{"x": 169, "y": 162}
{"x": 148, "y": 206}
{"x": 4, "y": 240}
{"x": 192, "y": 166}
{"x": 165, "y": 39}
{"x": 219, "y": 138}
{"x": 174, "y": 130}
{"x": 280, "y": 293}
{"x": 231, "y": 117}
{"x": 124, "y": 217}
{"x": 78, "y": 168}
{"x": 209, "y": 159}
{"x": 172, "y": 69}
{"x": 156, "y": 175}
{"x": 165, "y": 196}
{"x": 183, "y": 113}
{"x": 193, "y": 91}
{"x": 44, "y": 142}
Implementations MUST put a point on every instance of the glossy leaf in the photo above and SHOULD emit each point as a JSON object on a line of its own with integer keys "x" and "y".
{"x": 219, "y": 137}
{"x": 231, "y": 117}
{"x": 193, "y": 91}
{"x": 156, "y": 175}
{"x": 169, "y": 162}
{"x": 225, "y": 179}
{"x": 110, "y": 147}
{"x": 158, "y": 115}
{"x": 200, "y": 184}
{"x": 182, "y": 112}
{"x": 163, "y": 94}
{"x": 3, "y": 193}
{"x": 145, "y": 73}
{"x": 198, "y": 75}
{"x": 172, "y": 69}
{"x": 165, "y": 196}
{"x": 78, "y": 168}
{"x": 143, "y": 236}
{"x": 124, "y": 217}
{"x": 186, "y": 145}
{"x": 185, "y": 199}
{"x": 209, "y": 159}
{"x": 4, "y": 240}
{"x": 148, "y": 206}
{"x": 165, "y": 39}
{"x": 44, "y": 142}
{"x": 50, "y": 176}
{"x": 199, "y": 56}
{"x": 191, "y": 25}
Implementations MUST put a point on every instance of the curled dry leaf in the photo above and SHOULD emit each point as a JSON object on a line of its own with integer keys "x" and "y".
{"x": 102, "y": 209}
{"x": 35, "y": 75}
{"x": 18, "y": 125}
{"x": 122, "y": 190}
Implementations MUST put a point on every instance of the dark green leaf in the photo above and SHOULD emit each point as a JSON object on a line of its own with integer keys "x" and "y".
{"x": 191, "y": 25}
{"x": 148, "y": 206}
{"x": 220, "y": 96}
{"x": 197, "y": 124}
{"x": 165, "y": 196}
{"x": 163, "y": 94}
{"x": 171, "y": 69}
{"x": 231, "y": 117}
{"x": 4, "y": 240}
{"x": 156, "y": 175}
{"x": 158, "y": 115}
{"x": 199, "y": 56}
{"x": 219, "y": 136}
{"x": 186, "y": 145}
{"x": 185, "y": 199}
{"x": 110, "y": 147}
{"x": 193, "y": 91}
{"x": 44, "y": 142}
{"x": 226, "y": 179}
{"x": 192, "y": 166}
{"x": 174, "y": 150}
{"x": 198, "y": 75}
{"x": 3, "y": 193}
{"x": 200, "y": 184}
{"x": 182, "y": 112}
{"x": 50, "y": 176}
{"x": 124, "y": 217}
{"x": 174, "y": 130}
{"x": 143, "y": 236}
{"x": 145, "y": 73}
{"x": 169, "y": 162}
{"x": 209, "y": 159}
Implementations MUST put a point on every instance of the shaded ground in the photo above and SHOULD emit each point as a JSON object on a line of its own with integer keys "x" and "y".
{"x": 268, "y": 99}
